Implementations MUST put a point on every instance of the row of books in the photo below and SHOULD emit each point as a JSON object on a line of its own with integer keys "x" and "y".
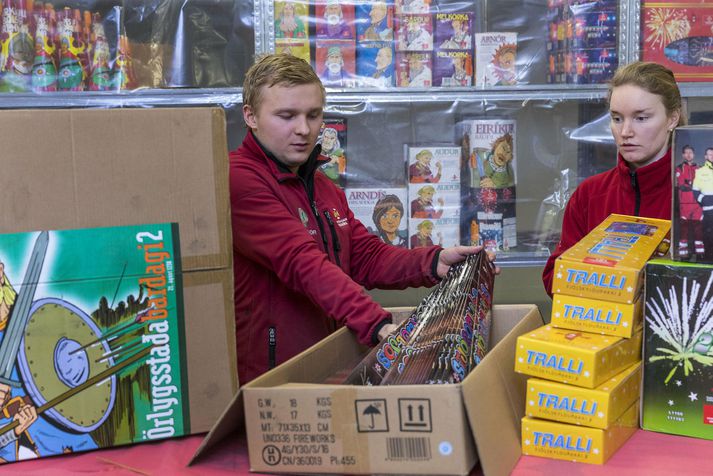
{"x": 379, "y": 44}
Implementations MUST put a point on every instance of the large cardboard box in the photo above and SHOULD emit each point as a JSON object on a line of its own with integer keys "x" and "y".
{"x": 296, "y": 424}
{"x": 83, "y": 168}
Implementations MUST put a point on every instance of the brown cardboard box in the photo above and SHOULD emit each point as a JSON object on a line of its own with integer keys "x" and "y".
{"x": 86, "y": 168}
{"x": 297, "y": 425}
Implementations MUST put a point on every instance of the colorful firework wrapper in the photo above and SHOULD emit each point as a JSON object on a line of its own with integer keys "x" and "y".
{"x": 596, "y": 315}
{"x": 677, "y": 34}
{"x": 573, "y": 357}
{"x": 577, "y": 443}
{"x": 678, "y": 349}
{"x": 597, "y": 407}
{"x": 608, "y": 263}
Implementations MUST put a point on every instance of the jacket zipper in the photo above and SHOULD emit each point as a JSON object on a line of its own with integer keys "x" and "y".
{"x": 315, "y": 212}
{"x": 335, "y": 239}
{"x": 637, "y": 193}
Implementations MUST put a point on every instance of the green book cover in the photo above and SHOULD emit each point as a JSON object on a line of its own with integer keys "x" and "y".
{"x": 91, "y": 339}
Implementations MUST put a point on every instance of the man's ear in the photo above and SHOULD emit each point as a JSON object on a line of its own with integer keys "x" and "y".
{"x": 249, "y": 116}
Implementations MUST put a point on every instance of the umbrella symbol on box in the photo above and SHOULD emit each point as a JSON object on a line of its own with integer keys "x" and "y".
{"x": 372, "y": 410}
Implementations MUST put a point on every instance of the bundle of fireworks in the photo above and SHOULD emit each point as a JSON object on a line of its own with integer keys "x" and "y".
{"x": 67, "y": 50}
{"x": 445, "y": 337}
{"x": 678, "y": 349}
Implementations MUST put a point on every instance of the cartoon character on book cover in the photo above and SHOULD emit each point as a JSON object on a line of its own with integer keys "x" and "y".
{"x": 414, "y": 33}
{"x": 335, "y": 63}
{"x": 375, "y": 64}
{"x": 91, "y": 348}
{"x": 333, "y": 139}
{"x": 334, "y": 20}
{"x": 453, "y": 69}
{"x": 427, "y": 232}
{"x": 291, "y": 19}
{"x": 433, "y": 164}
{"x": 495, "y": 63}
{"x": 375, "y": 20}
{"x": 298, "y": 48}
{"x": 404, "y": 7}
{"x": 453, "y": 31}
{"x": 413, "y": 70}
{"x": 382, "y": 211}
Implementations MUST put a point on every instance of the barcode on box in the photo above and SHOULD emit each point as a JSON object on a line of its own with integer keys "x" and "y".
{"x": 408, "y": 448}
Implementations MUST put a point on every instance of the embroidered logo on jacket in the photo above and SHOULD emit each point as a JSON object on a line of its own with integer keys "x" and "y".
{"x": 303, "y": 217}
{"x": 341, "y": 222}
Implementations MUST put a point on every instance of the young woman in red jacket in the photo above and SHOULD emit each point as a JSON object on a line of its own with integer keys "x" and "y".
{"x": 645, "y": 107}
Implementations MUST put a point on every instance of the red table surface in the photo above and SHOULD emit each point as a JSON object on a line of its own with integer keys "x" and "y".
{"x": 645, "y": 453}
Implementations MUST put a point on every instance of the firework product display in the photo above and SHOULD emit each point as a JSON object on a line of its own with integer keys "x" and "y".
{"x": 443, "y": 339}
{"x": 596, "y": 315}
{"x": 66, "y": 50}
{"x": 677, "y": 34}
{"x": 678, "y": 349}
{"x": 383, "y": 429}
{"x": 692, "y": 216}
{"x": 382, "y": 212}
{"x": 96, "y": 350}
{"x": 577, "y": 358}
{"x": 578, "y": 443}
{"x": 599, "y": 407}
{"x": 582, "y": 43}
{"x": 495, "y": 59}
{"x": 608, "y": 262}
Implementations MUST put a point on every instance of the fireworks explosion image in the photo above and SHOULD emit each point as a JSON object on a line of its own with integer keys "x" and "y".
{"x": 670, "y": 320}
{"x": 666, "y": 26}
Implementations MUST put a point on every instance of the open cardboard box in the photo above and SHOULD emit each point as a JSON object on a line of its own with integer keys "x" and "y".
{"x": 295, "y": 424}
{"x": 82, "y": 168}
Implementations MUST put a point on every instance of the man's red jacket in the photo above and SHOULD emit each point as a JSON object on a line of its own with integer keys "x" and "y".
{"x": 302, "y": 261}
{"x": 645, "y": 192}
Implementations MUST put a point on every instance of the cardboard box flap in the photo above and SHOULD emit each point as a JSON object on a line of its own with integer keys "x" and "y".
{"x": 494, "y": 394}
{"x": 210, "y": 345}
{"x": 230, "y": 421}
{"x": 113, "y": 167}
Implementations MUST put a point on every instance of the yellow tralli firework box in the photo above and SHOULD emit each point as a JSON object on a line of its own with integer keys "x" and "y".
{"x": 595, "y": 315}
{"x": 608, "y": 262}
{"x": 598, "y": 408}
{"x": 577, "y": 443}
{"x": 574, "y": 357}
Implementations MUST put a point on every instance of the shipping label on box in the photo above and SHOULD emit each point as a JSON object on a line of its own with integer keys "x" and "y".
{"x": 577, "y": 358}
{"x": 92, "y": 339}
{"x": 597, "y": 408}
{"x": 677, "y": 395}
{"x": 596, "y": 315}
{"x": 333, "y": 429}
{"x": 577, "y": 443}
{"x": 608, "y": 262}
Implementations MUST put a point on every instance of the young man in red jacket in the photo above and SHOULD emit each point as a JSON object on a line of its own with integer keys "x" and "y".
{"x": 301, "y": 259}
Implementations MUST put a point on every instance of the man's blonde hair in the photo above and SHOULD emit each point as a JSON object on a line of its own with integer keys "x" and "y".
{"x": 273, "y": 69}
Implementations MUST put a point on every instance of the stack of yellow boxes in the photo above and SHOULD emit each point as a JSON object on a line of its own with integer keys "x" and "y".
{"x": 583, "y": 403}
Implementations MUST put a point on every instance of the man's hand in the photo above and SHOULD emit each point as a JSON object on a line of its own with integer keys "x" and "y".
{"x": 4, "y": 394}
{"x": 456, "y": 254}
{"x": 386, "y": 330}
{"x": 25, "y": 417}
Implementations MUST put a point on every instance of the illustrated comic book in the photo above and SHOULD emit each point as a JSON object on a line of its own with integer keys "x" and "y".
{"x": 382, "y": 211}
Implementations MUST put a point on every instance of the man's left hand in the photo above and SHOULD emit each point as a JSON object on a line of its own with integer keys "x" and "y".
{"x": 456, "y": 254}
